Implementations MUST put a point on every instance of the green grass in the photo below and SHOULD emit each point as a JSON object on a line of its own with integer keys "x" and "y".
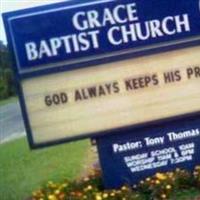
{"x": 23, "y": 170}
{"x": 7, "y": 101}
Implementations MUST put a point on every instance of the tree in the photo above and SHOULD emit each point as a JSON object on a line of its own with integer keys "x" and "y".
{"x": 6, "y": 75}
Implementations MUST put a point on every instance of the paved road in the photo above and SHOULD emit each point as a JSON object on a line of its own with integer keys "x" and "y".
{"x": 11, "y": 122}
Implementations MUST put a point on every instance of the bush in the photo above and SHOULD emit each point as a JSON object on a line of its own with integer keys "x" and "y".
{"x": 7, "y": 88}
{"x": 4, "y": 93}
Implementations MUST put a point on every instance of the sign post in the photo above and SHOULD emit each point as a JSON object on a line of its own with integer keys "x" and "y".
{"x": 95, "y": 68}
{"x": 141, "y": 153}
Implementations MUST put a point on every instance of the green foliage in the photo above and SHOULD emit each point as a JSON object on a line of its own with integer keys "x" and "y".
{"x": 6, "y": 76}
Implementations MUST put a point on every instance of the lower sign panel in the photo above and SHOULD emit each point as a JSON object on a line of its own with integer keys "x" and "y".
{"x": 115, "y": 95}
{"x": 142, "y": 153}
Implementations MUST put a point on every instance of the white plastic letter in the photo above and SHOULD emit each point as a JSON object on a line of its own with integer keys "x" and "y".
{"x": 31, "y": 51}
{"x": 182, "y": 24}
{"x": 111, "y": 36}
{"x": 76, "y": 21}
{"x": 55, "y": 45}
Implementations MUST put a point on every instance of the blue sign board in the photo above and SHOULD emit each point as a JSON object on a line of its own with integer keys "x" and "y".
{"x": 137, "y": 154}
{"x": 73, "y": 35}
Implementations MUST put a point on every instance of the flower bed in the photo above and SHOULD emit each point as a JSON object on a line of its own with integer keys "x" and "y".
{"x": 160, "y": 186}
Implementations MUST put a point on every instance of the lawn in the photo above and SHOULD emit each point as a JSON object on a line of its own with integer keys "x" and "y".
{"x": 23, "y": 170}
{"x": 9, "y": 100}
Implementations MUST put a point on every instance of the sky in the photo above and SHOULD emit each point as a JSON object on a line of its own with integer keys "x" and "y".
{"x": 12, "y": 5}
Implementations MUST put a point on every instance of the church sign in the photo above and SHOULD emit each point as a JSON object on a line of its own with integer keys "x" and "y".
{"x": 90, "y": 68}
